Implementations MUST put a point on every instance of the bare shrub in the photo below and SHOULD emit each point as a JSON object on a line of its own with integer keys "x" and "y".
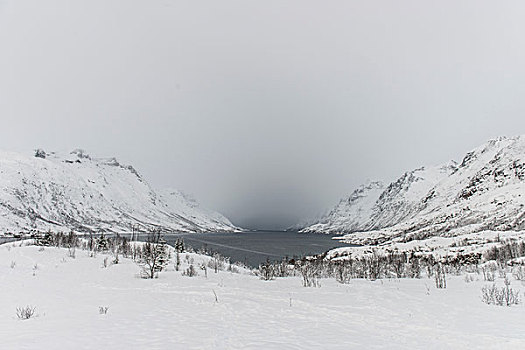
{"x": 217, "y": 263}
{"x": 13, "y": 264}
{"x": 504, "y": 296}
{"x": 489, "y": 272}
{"x": 40, "y": 153}
{"x": 488, "y": 294}
{"x": 519, "y": 273}
{"x": 440, "y": 277}
{"x": 343, "y": 272}
{"x": 414, "y": 269}
{"x": 25, "y": 313}
{"x": 266, "y": 271}
{"x": 505, "y": 252}
{"x": 190, "y": 271}
{"x": 310, "y": 272}
{"x": 103, "y": 310}
{"x": 397, "y": 263}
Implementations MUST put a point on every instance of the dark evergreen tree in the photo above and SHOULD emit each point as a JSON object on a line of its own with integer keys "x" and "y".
{"x": 103, "y": 243}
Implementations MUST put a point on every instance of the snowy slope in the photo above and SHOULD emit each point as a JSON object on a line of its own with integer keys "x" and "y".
{"x": 352, "y": 213}
{"x": 227, "y": 310}
{"x": 75, "y": 191}
{"x": 375, "y": 205}
{"x": 484, "y": 192}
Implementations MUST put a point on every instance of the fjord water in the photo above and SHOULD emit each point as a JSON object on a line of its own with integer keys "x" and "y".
{"x": 251, "y": 248}
{"x": 255, "y": 247}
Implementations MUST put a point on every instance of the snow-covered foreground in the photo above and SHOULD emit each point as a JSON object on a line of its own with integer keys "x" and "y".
{"x": 179, "y": 312}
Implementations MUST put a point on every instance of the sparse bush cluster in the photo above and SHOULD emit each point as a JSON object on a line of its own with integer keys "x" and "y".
{"x": 60, "y": 239}
{"x": 518, "y": 273}
{"x": 504, "y": 296}
{"x": 266, "y": 271}
{"x": 506, "y": 251}
{"x": 190, "y": 271}
{"x": 372, "y": 266}
{"x": 310, "y": 272}
{"x": 25, "y": 313}
{"x": 410, "y": 265}
{"x": 153, "y": 255}
{"x": 489, "y": 271}
{"x": 218, "y": 263}
{"x": 270, "y": 270}
{"x": 115, "y": 244}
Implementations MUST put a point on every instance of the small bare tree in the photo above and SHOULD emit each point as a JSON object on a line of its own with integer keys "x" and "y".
{"x": 155, "y": 255}
{"x": 439, "y": 275}
{"x": 310, "y": 271}
{"x": 266, "y": 271}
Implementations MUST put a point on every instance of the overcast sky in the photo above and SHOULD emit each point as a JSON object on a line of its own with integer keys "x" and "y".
{"x": 268, "y": 111}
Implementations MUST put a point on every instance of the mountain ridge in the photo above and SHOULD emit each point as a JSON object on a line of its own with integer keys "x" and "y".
{"x": 74, "y": 191}
{"x": 482, "y": 192}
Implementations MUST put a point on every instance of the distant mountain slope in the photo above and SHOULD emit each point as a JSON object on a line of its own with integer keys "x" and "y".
{"x": 485, "y": 192}
{"x": 352, "y": 213}
{"x": 77, "y": 192}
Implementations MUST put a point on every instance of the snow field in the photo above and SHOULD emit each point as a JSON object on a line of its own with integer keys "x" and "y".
{"x": 179, "y": 312}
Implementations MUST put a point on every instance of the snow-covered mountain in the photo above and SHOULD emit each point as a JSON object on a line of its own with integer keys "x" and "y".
{"x": 351, "y": 213}
{"x": 486, "y": 191}
{"x": 85, "y": 194}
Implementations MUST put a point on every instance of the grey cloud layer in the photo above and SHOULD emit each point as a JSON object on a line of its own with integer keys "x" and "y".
{"x": 267, "y": 111}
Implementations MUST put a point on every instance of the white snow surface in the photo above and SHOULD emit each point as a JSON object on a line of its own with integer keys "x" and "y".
{"x": 77, "y": 192}
{"x": 441, "y": 248}
{"x": 179, "y": 312}
{"x": 486, "y": 191}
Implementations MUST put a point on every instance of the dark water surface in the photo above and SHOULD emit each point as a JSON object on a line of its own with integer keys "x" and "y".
{"x": 250, "y": 248}
{"x": 253, "y": 248}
